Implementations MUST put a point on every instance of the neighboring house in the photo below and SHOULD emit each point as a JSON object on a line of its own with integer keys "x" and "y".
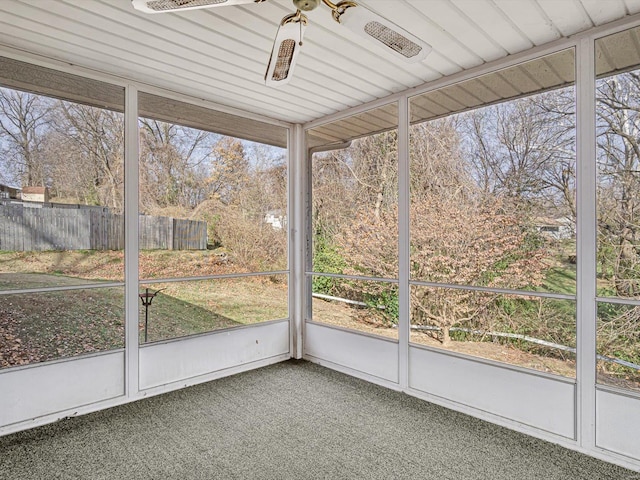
{"x": 35, "y": 194}
{"x": 8, "y": 192}
{"x": 276, "y": 218}
{"x": 557, "y": 228}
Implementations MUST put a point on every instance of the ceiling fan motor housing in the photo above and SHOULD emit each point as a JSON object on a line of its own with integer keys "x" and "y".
{"x": 306, "y": 5}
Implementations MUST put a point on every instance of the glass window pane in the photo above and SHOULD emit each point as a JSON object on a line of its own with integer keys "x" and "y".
{"x": 365, "y": 306}
{"x": 209, "y": 204}
{"x": 178, "y": 309}
{"x": 618, "y": 208}
{"x": 355, "y": 197}
{"x": 618, "y": 162}
{"x": 535, "y": 333}
{"x": 619, "y": 345}
{"x": 61, "y": 214}
{"x": 37, "y": 327}
{"x": 492, "y": 178}
{"x": 61, "y": 190}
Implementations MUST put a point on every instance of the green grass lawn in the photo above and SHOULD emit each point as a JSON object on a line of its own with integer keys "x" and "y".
{"x": 560, "y": 279}
{"x": 186, "y": 308}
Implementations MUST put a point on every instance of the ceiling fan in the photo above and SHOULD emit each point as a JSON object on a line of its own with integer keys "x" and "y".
{"x": 286, "y": 47}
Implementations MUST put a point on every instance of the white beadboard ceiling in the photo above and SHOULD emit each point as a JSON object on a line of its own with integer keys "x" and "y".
{"x": 220, "y": 54}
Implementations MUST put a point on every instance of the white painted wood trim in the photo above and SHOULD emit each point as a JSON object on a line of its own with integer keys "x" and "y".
{"x": 166, "y": 363}
{"x": 47, "y": 389}
{"x": 374, "y": 356}
{"x": 131, "y": 241}
{"x": 297, "y": 209}
{"x": 618, "y": 423}
{"x": 586, "y": 234}
{"x": 538, "y": 401}
{"x": 404, "y": 270}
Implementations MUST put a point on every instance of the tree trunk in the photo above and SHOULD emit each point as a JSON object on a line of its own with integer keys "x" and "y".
{"x": 446, "y": 338}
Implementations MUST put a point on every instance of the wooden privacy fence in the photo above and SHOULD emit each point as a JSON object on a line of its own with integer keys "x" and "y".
{"x": 79, "y": 227}
{"x": 169, "y": 233}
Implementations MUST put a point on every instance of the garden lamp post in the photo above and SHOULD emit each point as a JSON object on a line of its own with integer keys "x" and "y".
{"x": 146, "y": 298}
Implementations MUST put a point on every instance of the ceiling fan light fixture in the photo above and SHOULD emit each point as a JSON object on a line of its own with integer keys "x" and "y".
{"x": 284, "y": 54}
{"x": 163, "y": 6}
{"x": 370, "y": 25}
{"x": 285, "y": 50}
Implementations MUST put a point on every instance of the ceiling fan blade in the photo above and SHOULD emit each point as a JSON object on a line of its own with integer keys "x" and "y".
{"x": 286, "y": 47}
{"x": 383, "y": 32}
{"x": 162, "y": 6}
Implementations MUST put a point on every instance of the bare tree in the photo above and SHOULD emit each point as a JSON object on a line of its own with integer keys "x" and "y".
{"x": 437, "y": 164}
{"x": 525, "y": 150}
{"x": 86, "y": 149}
{"x": 173, "y": 164}
{"x": 24, "y": 120}
{"x": 374, "y": 162}
{"x": 229, "y": 171}
{"x": 618, "y": 113}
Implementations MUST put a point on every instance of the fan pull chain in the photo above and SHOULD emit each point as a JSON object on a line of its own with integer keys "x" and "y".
{"x": 300, "y": 25}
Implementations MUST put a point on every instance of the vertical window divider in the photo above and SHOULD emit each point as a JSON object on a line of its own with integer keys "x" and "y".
{"x": 404, "y": 319}
{"x": 586, "y": 243}
{"x": 131, "y": 178}
{"x": 297, "y": 209}
{"x": 305, "y": 178}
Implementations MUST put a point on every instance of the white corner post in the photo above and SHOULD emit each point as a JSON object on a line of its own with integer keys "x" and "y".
{"x": 404, "y": 315}
{"x": 586, "y": 243}
{"x": 131, "y": 153}
{"x": 297, "y": 238}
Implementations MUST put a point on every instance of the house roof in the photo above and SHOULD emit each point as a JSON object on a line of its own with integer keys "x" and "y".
{"x": 34, "y": 190}
{"x": 219, "y": 55}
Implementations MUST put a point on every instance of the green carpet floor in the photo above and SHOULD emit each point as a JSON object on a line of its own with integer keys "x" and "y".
{"x": 294, "y": 420}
